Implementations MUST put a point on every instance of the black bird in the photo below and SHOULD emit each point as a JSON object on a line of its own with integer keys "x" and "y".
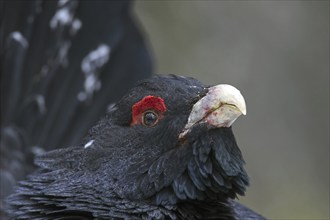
{"x": 166, "y": 150}
{"x": 61, "y": 66}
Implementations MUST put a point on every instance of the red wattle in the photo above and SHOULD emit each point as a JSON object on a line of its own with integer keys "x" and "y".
{"x": 149, "y": 102}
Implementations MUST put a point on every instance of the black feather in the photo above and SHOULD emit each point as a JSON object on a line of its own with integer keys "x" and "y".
{"x": 42, "y": 75}
{"x": 118, "y": 170}
{"x": 138, "y": 172}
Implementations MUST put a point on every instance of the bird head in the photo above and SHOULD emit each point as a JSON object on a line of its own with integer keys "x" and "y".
{"x": 168, "y": 140}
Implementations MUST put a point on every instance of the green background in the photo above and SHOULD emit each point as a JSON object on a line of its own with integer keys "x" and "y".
{"x": 277, "y": 54}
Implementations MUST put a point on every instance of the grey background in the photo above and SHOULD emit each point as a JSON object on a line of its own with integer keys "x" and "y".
{"x": 277, "y": 54}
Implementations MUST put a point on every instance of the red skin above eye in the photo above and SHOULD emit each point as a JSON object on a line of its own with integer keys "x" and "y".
{"x": 153, "y": 103}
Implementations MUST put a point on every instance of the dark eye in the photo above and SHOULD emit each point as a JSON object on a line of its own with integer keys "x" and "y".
{"x": 150, "y": 118}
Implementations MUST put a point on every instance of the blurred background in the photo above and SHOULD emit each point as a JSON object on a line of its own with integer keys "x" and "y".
{"x": 277, "y": 54}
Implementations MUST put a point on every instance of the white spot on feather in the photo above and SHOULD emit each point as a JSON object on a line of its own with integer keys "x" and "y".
{"x": 91, "y": 65}
{"x": 89, "y": 143}
{"x": 82, "y": 96}
{"x": 17, "y": 36}
{"x": 95, "y": 59}
{"x": 62, "y": 17}
{"x": 41, "y": 104}
{"x": 37, "y": 150}
{"x": 75, "y": 27}
{"x": 111, "y": 107}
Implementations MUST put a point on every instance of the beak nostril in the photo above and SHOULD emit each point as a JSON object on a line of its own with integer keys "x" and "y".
{"x": 220, "y": 107}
